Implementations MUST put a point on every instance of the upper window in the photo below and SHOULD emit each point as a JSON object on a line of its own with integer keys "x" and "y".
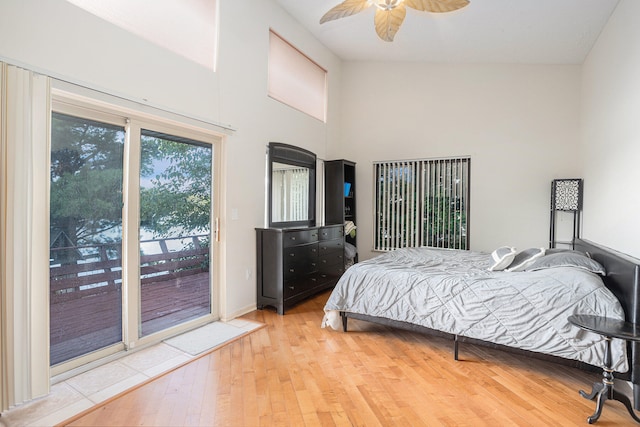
{"x": 422, "y": 203}
{"x": 296, "y": 80}
{"x": 185, "y": 27}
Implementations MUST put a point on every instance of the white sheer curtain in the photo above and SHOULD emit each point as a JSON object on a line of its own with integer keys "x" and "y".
{"x": 24, "y": 235}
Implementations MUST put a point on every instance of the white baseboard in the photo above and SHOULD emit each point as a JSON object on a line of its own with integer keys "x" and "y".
{"x": 240, "y": 312}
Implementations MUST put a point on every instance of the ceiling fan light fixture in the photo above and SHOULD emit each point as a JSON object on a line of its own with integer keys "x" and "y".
{"x": 390, "y": 13}
{"x": 385, "y": 4}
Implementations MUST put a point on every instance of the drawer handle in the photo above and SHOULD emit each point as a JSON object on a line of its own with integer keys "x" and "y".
{"x": 293, "y": 237}
{"x": 314, "y": 250}
{"x": 313, "y": 264}
{"x": 292, "y": 287}
{"x": 313, "y": 279}
{"x": 292, "y": 270}
{"x": 292, "y": 254}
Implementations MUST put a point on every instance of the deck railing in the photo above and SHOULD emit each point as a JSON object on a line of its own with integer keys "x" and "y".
{"x": 86, "y": 291}
{"x": 98, "y": 267}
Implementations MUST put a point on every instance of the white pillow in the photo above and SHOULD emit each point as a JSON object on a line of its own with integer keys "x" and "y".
{"x": 525, "y": 258}
{"x": 502, "y": 258}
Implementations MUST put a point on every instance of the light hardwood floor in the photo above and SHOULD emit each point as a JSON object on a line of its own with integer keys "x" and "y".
{"x": 294, "y": 373}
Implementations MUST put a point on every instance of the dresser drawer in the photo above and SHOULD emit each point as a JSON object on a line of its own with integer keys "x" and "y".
{"x": 300, "y": 260}
{"x": 299, "y": 269}
{"x": 301, "y": 253}
{"x": 329, "y": 273}
{"x": 299, "y": 237}
{"x": 334, "y": 258}
{"x": 329, "y": 233}
{"x": 335, "y": 245}
{"x": 293, "y": 287}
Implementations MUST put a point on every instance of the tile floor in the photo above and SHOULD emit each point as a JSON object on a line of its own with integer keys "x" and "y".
{"x": 88, "y": 389}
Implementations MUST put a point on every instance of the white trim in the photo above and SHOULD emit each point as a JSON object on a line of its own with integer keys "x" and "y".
{"x": 65, "y": 83}
{"x": 4, "y": 339}
{"x": 125, "y": 106}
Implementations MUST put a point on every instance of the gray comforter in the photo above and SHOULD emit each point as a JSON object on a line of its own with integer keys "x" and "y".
{"x": 453, "y": 291}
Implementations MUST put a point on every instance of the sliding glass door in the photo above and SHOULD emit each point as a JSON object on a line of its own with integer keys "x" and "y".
{"x": 175, "y": 218}
{"x": 131, "y": 259}
{"x": 85, "y": 236}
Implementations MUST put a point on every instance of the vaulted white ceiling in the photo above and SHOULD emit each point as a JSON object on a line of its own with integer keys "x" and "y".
{"x": 486, "y": 31}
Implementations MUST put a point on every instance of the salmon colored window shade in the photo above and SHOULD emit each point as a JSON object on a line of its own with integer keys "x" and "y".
{"x": 296, "y": 80}
{"x": 185, "y": 27}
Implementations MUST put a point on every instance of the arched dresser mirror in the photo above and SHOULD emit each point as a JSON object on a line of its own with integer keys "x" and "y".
{"x": 292, "y": 186}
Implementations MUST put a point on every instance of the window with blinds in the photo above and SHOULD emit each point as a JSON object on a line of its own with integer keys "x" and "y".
{"x": 422, "y": 203}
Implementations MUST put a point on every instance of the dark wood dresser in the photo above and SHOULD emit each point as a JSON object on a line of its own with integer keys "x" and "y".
{"x": 295, "y": 263}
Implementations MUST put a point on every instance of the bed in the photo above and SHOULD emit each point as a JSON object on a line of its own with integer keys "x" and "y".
{"x": 455, "y": 294}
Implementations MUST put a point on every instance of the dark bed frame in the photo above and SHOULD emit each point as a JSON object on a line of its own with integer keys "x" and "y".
{"x": 622, "y": 278}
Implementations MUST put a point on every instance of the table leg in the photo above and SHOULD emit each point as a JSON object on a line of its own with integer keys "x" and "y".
{"x": 626, "y": 402}
{"x": 597, "y": 387}
{"x": 604, "y": 390}
{"x": 601, "y": 397}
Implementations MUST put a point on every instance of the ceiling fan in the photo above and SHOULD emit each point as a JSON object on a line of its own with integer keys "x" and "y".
{"x": 390, "y": 13}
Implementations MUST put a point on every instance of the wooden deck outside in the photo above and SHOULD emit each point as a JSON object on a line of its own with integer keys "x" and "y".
{"x": 86, "y": 299}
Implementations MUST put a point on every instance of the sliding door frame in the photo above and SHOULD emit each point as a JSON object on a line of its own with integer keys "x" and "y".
{"x": 133, "y": 121}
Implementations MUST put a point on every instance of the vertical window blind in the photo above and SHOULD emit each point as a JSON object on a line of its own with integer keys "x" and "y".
{"x": 24, "y": 242}
{"x": 422, "y": 203}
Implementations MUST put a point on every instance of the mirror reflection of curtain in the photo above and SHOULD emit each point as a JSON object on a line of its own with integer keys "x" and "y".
{"x": 290, "y": 194}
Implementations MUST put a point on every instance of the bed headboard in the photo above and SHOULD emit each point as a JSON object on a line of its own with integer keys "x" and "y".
{"x": 623, "y": 275}
{"x": 623, "y": 279}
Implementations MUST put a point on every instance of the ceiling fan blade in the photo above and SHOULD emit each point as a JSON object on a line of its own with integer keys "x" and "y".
{"x": 388, "y": 22}
{"x": 344, "y": 9}
{"x": 436, "y": 6}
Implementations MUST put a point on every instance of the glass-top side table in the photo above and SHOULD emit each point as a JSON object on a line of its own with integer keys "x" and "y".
{"x": 608, "y": 329}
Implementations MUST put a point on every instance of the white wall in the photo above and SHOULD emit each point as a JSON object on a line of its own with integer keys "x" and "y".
{"x": 59, "y": 39}
{"x": 259, "y": 120}
{"x": 611, "y": 133}
{"x": 519, "y": 124}
{"x": 56, "y": 38}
